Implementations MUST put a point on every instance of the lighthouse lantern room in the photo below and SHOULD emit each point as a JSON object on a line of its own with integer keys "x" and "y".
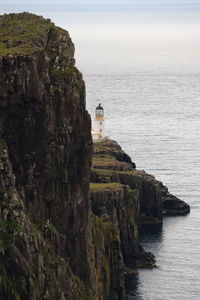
{"x": 98, "y": 123}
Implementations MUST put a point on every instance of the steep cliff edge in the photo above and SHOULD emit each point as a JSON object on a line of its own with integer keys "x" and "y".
{"x": 118, "y": 205}
{"x": 45, "y": 158}
{"x": 111, "y": 164}
{"x": 128, "y": 199}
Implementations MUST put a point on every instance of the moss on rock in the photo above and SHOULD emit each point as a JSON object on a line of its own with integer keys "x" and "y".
{"x": 105, "y": 186}
{"x": 22, "y": 34}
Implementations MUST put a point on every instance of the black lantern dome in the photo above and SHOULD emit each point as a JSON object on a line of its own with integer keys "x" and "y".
{"x": 99, "y": 111}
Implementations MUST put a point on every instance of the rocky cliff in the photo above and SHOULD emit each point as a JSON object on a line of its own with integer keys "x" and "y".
{"x": 45, "y": 155}
{"x": 111, "y": 164}
{"x": 57, "y": 241}
{"x": 128, "y": 199}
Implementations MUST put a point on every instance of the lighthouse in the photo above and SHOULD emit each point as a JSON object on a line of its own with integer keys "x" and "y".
{"x": 98, "y": 123}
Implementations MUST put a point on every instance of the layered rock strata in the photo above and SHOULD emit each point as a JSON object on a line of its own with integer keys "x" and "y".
{"x": 154, "y": 198}
{"x": 128, "y": 198}
{"x": 118, "y": 205}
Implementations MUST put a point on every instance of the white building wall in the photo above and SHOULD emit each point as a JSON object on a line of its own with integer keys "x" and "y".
{"x": 99, "y": 127}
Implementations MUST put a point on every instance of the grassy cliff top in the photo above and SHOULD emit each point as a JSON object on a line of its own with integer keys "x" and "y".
{"x": 24, "y": 33}
{"x": 107, "y": 145}
{"x": 96, "y": 187}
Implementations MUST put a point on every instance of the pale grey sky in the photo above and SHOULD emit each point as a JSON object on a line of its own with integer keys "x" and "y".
{"x": 141, "y": 2}
{"x": 102, "y": 2}
{"x": 7, "y": 6}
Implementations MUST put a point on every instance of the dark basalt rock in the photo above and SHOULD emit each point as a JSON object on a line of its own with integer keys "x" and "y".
{"x": 45, "y": 160}
{"x": 154, "y": 197}
{"x": 174, "y": 206}
{"x": 119, "y": 205}
{"x": 130, "y": 200}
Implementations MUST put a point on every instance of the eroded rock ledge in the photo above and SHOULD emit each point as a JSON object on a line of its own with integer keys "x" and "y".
{"x": 128, "y": 199}
{"x": 111, "y": 164}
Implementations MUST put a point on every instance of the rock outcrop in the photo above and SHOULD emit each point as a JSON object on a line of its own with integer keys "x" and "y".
{"x": 128, "y": 199}
{"x": 174, "y": 206}
{"x": 154, "y": 198}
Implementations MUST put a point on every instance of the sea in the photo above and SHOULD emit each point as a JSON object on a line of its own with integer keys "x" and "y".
{"x": 143, "y": 66}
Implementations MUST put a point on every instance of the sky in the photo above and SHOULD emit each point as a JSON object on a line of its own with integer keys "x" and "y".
{"x": 136, "y": 2}
{"x": 79, "y": 5}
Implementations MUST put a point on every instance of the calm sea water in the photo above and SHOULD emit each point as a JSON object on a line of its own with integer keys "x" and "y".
{"x": 144, "y": 67}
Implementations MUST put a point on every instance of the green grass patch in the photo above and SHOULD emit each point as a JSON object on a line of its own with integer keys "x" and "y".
{"x": 95, "y": 187}
{"x": 101, "y": 148}
{"x": 61, "y": 74}
{"x": 98, "y": 161}
{"x": 101, "y": 143}
{"x": 23, "y": 33}
{"x": 106, "y": 145}
{"x": 131, "y": 173}
{"x": 45, "y": 225}
{"x": 103, "y": 172}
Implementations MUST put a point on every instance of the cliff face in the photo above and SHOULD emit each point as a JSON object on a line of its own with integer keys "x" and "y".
{"x": 119, "y": 204}
{"x": 128, "y": 199}
{"x": 45, "y": 160}
{"x": 32, "y": 266}
{"x": 108, "y": 168}
{"x": 107, "y": 260}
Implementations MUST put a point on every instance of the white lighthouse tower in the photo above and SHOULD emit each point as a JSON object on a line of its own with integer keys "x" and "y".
{"x": 98, "y": 123}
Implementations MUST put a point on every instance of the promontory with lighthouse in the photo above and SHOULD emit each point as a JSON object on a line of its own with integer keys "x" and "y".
{"x": 70, "y": 208}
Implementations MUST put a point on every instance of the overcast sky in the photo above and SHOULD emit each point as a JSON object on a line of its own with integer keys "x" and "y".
{"x": 98, "y": 4}
{"x": 139, "y": 2}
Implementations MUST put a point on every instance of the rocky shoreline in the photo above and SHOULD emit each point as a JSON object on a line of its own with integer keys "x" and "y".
{"x": 112, "y": 164}
{"x": 129, "y": 199}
